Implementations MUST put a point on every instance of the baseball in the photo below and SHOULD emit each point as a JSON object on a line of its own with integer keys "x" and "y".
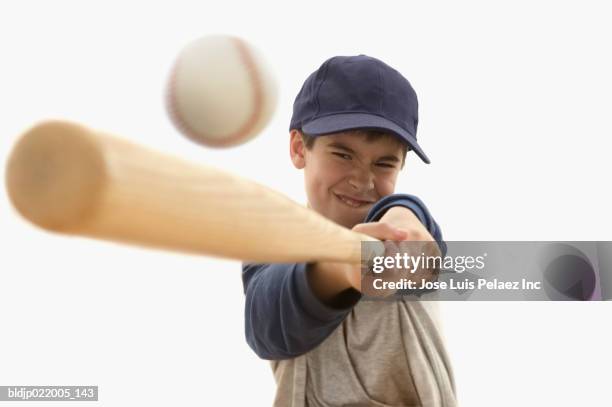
{"x": 220, "y": 91}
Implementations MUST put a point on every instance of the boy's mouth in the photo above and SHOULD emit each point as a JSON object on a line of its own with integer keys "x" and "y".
{"x": 352, "y": 202}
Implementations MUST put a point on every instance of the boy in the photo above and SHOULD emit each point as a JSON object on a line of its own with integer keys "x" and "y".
{"x": 353, "y": 122}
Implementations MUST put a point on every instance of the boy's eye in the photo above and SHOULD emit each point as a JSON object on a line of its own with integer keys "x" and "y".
{"x": 385, "y": 165}
{"x": 343, "y": 155}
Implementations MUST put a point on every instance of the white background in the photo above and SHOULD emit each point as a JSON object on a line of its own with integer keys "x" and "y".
{"x": 515, "y": 102}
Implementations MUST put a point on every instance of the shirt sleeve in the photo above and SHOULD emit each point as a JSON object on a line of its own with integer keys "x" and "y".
{"x": 283, "y": 317}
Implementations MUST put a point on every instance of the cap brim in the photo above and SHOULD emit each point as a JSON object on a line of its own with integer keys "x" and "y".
{"x": 352, "y": 121}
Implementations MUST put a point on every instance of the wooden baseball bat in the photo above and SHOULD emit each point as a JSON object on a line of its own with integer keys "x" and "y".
{"x": 71, "y": 179}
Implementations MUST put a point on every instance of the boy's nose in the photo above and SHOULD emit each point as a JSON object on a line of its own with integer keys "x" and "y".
{"x": 361, "y": 180}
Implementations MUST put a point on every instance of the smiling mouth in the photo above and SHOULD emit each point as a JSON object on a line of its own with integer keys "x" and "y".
{"x": 353, "y": 203}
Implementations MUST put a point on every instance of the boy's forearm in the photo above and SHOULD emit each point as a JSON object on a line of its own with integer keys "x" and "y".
{"x": 328, "y": 280}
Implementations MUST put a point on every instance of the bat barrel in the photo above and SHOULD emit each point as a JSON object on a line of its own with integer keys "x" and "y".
{"x": 55, "y": 175}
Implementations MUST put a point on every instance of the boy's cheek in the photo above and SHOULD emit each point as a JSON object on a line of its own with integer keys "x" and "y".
{"x": 333, "y": 169}
{"x": 386, "y": 186}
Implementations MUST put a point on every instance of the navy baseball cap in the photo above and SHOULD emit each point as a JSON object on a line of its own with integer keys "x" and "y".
{"x": 357, "y": 92}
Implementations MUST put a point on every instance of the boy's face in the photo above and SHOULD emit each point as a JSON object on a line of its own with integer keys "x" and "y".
{"x": 345, "y": 173}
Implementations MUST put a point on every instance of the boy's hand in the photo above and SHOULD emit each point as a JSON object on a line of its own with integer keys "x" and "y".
{"x": 328, "y": 279}
{"x": 397, "y": 225}
{"x": 382, "y": 231}
{"x": 404, "y": 219}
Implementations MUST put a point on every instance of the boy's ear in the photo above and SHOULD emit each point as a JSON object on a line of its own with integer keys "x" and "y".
{"x": 297, "y": 149}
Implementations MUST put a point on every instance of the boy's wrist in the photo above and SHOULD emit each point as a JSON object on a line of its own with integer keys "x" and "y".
{"x": 328, "y": 279}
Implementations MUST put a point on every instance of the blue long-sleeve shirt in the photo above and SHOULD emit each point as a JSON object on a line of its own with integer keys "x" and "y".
{"x": 283, "y": 317}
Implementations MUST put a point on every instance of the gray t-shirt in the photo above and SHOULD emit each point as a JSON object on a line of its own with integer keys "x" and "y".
{"x": 385, "y": 353}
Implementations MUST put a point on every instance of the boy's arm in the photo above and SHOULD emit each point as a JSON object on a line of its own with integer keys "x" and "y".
{"x": 330, "y": 280}
{"x": 283, "y": 316}
{"x": 290, "y": 309}
{"x": 398, "y": 217}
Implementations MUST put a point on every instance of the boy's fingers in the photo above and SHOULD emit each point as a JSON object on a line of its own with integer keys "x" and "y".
{"x": 401, "y": 234}
{"x": 381, "y": 231}
{"x": 391, "y": 232}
